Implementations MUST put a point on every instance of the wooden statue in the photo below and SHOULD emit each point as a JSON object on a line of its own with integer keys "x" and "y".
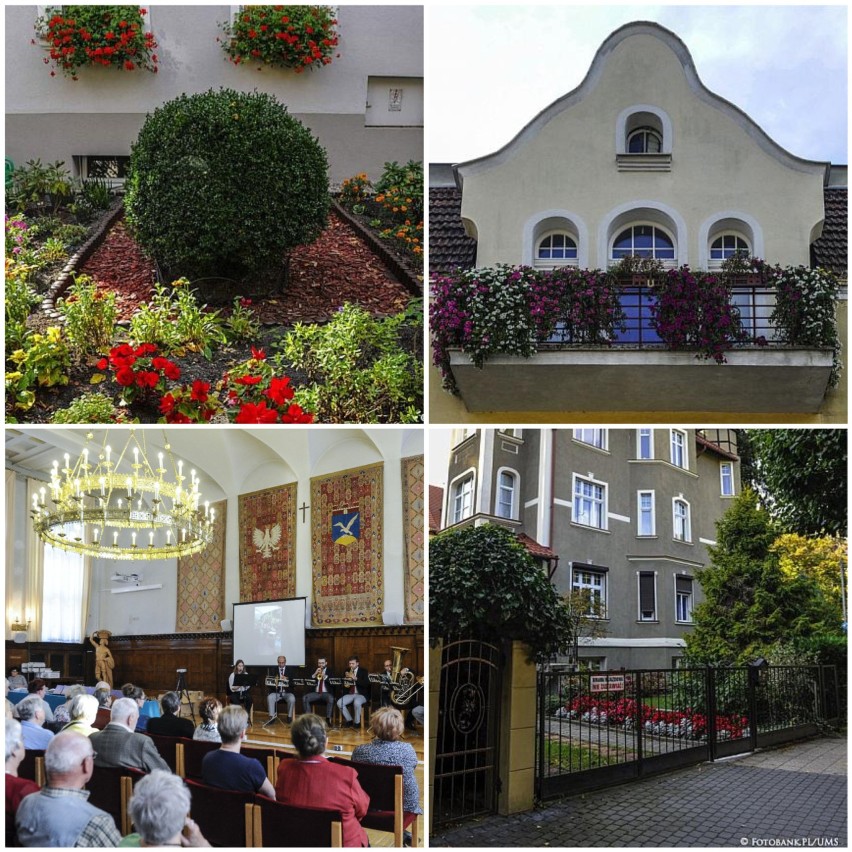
{"x": 104, "y": 662}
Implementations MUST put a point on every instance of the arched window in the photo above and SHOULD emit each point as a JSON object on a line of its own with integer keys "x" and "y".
{"x": 726, "y": 246}
{"x": 461, "y": 505}
{"x": 555, "y": 249}
{"x": 507, "y": 483}
{"x": 644, "y": 140}
{"x": 682, "y": 523}
{"x": 643, "y": 241}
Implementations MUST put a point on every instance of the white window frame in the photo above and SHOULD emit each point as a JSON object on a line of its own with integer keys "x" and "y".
{"x": 514, "y": 495}
{"x": 729, "y": 477}
{"x": 668, "y": 263}
{"x": 592, "y": 664}
{"x": 650, "y": 435}
{"x": 600, "y": 438}
{"x": 556, "y": 263}
{"x": 715, "y": 262}
{"x": 646, "y": 130}
{"x": 577, "y": 499}
{"x": 687, "y": 520}
{"x": 455, "y": 485}
{"x": 684, "y": 448}
{"x": 517, "y": 434}
{"x": 602, "y": 588}
{"x": 639, "y": 514}
{"x": 639, "y": 616}
{"x": 690, "y": 601}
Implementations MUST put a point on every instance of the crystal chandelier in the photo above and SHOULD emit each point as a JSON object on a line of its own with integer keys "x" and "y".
{"x": 112, "y": 508}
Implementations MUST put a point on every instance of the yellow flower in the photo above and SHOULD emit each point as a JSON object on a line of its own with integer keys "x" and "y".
{"x": 18, "y": 356}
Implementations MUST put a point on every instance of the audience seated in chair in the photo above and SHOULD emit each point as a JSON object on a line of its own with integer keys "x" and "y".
{"x": 59, "y": 814}
{"x": 103, "y": 694}
{"x": 83, "y": 711}
{"x": 315, "y": 782}
{"x": 138, "y": 695}
{"x": 62, "y": 714}
{"x": 38, "y": 687}
{"x": 226, "y": 767}
{"x": 208, "y": 730}
{"x": 170, "y": 724}
{"x": 16, "y": 788}
{"x": 159, "y": 808}
{"x": 118, "y": 744}
{"x": 31, "y": 714}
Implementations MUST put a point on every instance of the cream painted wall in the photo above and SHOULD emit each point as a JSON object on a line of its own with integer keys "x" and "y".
{"x": 566, "y": 160}
{"x": 311, "y": 453}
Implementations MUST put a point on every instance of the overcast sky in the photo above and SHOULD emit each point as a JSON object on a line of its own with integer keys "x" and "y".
{"x": 491, "y": 69}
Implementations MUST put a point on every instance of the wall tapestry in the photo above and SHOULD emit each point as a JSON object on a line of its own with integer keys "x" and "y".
{"x": 347, "y": 546}
{"x": 413, "y": 509}
{"x": 268, "y": 544}
{"x": 201, "y": 581}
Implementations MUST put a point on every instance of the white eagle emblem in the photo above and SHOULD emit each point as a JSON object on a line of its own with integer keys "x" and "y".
{"x": 267, "y": 541}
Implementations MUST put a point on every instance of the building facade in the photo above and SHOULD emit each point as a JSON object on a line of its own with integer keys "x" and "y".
{"x": 641, "y": 159}
{"x": 365, "y": 108}
{"x": 623, "y": 516}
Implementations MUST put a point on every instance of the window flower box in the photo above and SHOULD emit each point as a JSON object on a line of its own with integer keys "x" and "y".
{"x": 296, "y": 37}
{"x": 109, "y": 36}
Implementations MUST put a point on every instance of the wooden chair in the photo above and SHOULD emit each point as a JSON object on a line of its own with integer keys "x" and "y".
{"x": 108, "y": 791}
{"x": 32, "y": 766}
{"x": 267, "y": 757}
{"x": 289, "y": 826}
{"x": 225, "y": 817}
{"x": 171, "y": 750}
{"x": 193, "y": 754}
{"x": 383, "y": 784}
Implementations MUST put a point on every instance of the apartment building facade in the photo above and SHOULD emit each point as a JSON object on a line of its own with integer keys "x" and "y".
{"x": 623, "y": 515}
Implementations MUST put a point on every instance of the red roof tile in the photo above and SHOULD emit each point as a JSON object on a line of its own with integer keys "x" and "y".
{"x": 536, "y": 549}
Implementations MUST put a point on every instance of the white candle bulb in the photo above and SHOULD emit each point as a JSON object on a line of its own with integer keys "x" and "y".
{"x": 102, "y": 481}
{"x": 108, "y": 452}
{"x": 133, "y": 536}
{"x": 151, "y": 538}
{"x": 129, "y": 483}
{"x": 115, "y": 538}
{"x": 96, "y": 534}
{"x": 136, "y": 455}
{"x": 85, "y": 457}
{"x": 160, "y": 457}
{"x": 168, "y": 536}
{"x": 180, "y": 467}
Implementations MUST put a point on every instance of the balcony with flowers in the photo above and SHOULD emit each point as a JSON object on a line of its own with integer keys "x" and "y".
{"x": 749, "y": 337}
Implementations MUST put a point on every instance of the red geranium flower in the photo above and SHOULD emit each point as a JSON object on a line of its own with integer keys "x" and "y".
{"x": 145, "y": 349}
{"x": 295, "y": 414}
{"x": 171, "y": 371}
{"x": 251, "y": 413}
{"x": 147, "y": 380}
{"x": 177, "y": 417}
{"x": 248, "y": 380}
{"x": 102, "y": 364}
{"x": 279, "y": 390}
{"x": 258, "y": 354}
{"x": 125, "y": 376}
{"x": 200, "y": 390}
{"x": 167, "y": 403}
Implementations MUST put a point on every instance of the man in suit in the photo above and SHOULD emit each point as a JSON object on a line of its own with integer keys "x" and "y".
{"x": 323, "y": 693}
{"x": 170, "y": 724}
{"x": 119, "y": 745}
{"x": 282, "y": 693}
{"x": 357, "y": 694}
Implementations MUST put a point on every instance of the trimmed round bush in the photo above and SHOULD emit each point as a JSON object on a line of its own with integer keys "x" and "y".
{"x": 224, "y": 183}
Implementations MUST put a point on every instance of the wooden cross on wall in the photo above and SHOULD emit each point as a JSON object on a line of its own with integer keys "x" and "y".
{"x": 304, "y": 508}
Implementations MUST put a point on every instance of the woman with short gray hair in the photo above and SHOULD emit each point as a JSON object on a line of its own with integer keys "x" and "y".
{"x": 159, "y": 809}
{"x": 84, "y": 710}
{"x": 62, "y": 714}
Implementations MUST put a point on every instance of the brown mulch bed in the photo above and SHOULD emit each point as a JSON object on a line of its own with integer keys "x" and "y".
{"x": 337, "y": 267}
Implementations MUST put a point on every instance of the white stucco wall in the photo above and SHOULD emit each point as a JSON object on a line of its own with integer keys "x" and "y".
{"x": 565, "y": 160}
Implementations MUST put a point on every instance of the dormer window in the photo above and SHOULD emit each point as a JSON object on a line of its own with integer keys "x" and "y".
{"x": 556, "y": 249}
{"x": 643, "y": 241}
{"x": 728, "y": 245}
{"x": 644, "y": 140}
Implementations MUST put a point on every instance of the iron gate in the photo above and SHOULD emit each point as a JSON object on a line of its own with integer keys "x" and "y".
{"x": 601, "y": 728}
{"x": 466, "y": 781}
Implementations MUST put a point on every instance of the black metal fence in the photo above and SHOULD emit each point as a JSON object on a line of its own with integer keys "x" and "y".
{"x": 601, "y": 728}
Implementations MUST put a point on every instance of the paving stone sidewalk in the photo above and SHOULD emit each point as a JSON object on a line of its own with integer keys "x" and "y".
{"x": 798, "y": 791}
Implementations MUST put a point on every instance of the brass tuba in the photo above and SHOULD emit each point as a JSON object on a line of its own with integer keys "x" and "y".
{"x": 404, "y": 685}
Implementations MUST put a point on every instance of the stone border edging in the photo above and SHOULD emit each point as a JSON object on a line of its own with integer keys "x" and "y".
{"x": 83, "y": 253}
{"x": 405, "y": 277}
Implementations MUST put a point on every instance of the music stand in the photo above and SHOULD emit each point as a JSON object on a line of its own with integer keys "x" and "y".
{"x": 183, "y": 691}
{"x": 275, "y": 718}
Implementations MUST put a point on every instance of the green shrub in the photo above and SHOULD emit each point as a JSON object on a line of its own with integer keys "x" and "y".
{"x": 90, "y": 408}
{"x": 35, "y": 184}
{"x": 89, "y": 317}
{"x": 174, "y": 320}
{"x": 224, "y": 184}
{"x": 43, "y": 362}
{"x": 96, "y": 192}
{"x": 19, "y": 301}
{"x": 242, "y": 324}
{"x": 358, "y": 371}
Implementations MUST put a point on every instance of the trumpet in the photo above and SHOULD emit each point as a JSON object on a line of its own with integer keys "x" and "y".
{"x": 349, "y": 678}
{"x": 319, "y": 674}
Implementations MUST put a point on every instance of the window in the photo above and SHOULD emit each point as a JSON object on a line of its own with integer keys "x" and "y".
{"x": 728, "y": 245}
{"x": 643, "y": 241}
{"x": 463, "y": 499}
{"x": 678, "y": 449}
{"x": 645, "y": 443}
{"x": 556, "y": 249}
{"x": 591, "y": 583}
{"x": 112, "y": 168}
{"x": 511, "y": 433}
{"x": 64, "y": 591}
{"x": 592, "y": 437}
{"x": 506, "y": 494}
{"x": 647, "y": 596}
{"x": 645, "y": 505}
{"x": 683, "y": 598}
{"x": 726, "y": 474}
{"x": 644, "y": 140}
{"x": 591, "y": 664}
{"x": 589, "y": 503}
{"x": 682, "y": 525}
